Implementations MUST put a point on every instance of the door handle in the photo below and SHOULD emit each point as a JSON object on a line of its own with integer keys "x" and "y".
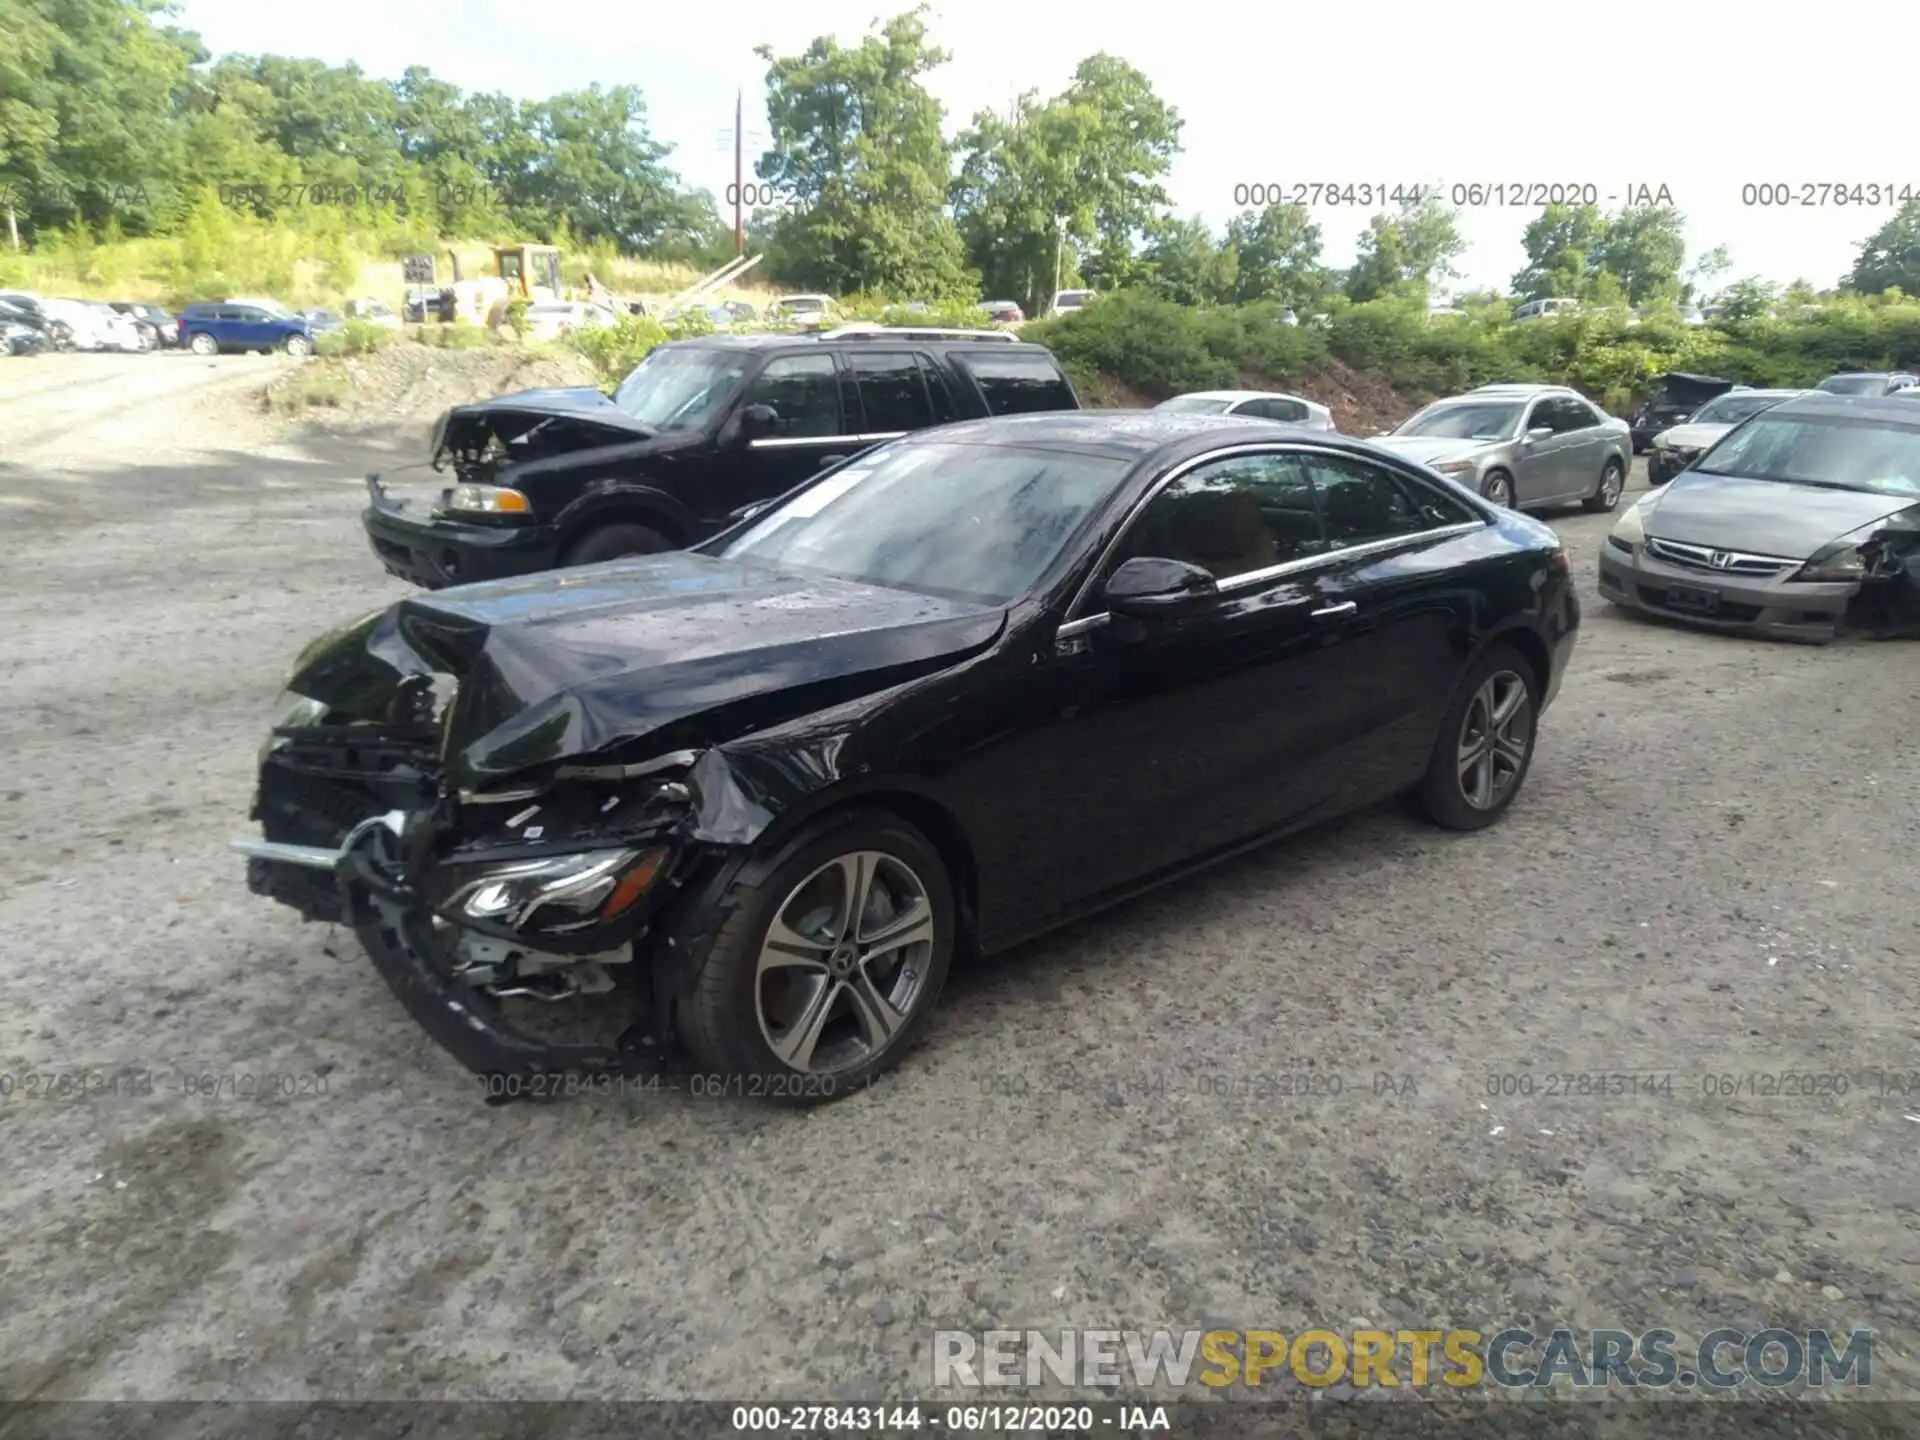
{"x": 1344, "y": 610}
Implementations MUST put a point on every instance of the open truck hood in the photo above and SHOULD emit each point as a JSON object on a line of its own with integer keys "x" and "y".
{"x": 681, "y": 650}
{"x": 535, "y": 423}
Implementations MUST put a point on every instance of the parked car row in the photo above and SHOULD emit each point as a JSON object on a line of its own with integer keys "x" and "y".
{"x": 31, "y": 324}
{"x": 898, "y": 655}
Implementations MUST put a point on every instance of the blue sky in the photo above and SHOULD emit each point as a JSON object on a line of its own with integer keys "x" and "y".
{"x": 1702, "y": 98}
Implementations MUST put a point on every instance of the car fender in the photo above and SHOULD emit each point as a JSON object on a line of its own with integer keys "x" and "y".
{"x": 612, "y": 500}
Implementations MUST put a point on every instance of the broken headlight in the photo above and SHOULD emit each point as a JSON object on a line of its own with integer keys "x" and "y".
{"x": 291, "y": 709}
{"x": 553, "y": 895}
{"x": 1841, "y": 560}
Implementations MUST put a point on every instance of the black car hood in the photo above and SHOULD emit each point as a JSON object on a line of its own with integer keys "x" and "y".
{"x": 1764, "y": 517}
{"x": 676, "y": 650}
{"x": 567, "y": 419}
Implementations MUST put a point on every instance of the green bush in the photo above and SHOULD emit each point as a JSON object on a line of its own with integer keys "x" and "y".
{"x": 1157, "y": 348}
{"x": 615, "y": 349}
{"x": 356, "y": 337}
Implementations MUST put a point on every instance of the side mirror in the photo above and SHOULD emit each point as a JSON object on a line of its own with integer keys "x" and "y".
{"x": 758, "y": 421}
{"x": 1149, "y": 588}
{"x": 1538, "y": 433}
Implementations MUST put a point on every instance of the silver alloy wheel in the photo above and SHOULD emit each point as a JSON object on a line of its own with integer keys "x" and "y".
{"x": 203, "y": 345}
{"x": 1612, "y": 481}
{"x": 1494, "y": 736}
{"x": 298, "y": 346}
{"x": 1500, "y": 491}
{"x": 844, "y": 963}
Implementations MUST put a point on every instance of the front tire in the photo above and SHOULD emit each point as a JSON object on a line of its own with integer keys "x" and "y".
{"x": 1498, "y": 487}
{"x": 1486, "y": 743}
{"x": 825, "y": 962}
{"x": 299, "y": 346}
{"x": 204, "y": 345}
{"x": 1606, "y": 495}
{"x": 615, "y": 542}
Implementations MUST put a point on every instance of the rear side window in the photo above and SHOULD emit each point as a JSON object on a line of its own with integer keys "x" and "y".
{"x": 1361, "y": 503}
{"x": 1271, "y": 408}
{"x": 891, "y": 392}
{"x": 1018, "y": 384}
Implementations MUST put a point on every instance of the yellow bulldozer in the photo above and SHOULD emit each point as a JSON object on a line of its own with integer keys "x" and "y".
{"x": 530, "y": 271}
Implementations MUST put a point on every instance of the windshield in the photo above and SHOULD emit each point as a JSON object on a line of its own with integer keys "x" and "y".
{"x": 970, "y": 522}
{"x": 1195, "y": 405}
{"x": 1732, "y": 409}
{"x": 1463, "y": 422}
{"x": 680, "y": 389}
{"x": 1837, "y": 453}
{"x": 1854, "y": 384}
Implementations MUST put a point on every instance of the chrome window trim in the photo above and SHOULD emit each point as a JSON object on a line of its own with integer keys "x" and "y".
{"x": 1076, "y": 623}
{"x": 788, "y": 442}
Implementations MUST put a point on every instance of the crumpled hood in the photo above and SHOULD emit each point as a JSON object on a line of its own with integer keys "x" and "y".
{"x": 1690, "y": 437}
{"x": 1433, "y": 450}
{"x": 686, "y": 648}
{"x": 580, "y": 418}
{"x": 1764, "y": 517}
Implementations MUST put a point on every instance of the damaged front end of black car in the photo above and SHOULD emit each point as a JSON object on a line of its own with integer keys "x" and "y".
{"x": 482, "y": 785}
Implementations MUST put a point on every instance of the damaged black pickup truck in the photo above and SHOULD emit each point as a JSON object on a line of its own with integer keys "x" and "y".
{"x": 699, "y": 431}
{"x": 750, "y": 798}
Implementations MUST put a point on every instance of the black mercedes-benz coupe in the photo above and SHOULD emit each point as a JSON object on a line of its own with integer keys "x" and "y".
{"x": 751, "y": 800}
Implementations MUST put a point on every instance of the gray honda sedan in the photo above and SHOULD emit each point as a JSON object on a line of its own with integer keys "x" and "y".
{"x": 1764, "y": 533}
{"x": 1522, "y": 445}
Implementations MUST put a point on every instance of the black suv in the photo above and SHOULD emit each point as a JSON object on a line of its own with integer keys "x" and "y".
{"x": 701, "y": 431}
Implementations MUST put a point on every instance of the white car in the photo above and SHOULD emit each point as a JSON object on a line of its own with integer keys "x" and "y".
{"x": 1254, "y": 405}
{"x": 1068, "y": 300}
{"x": 551, "y": 319}
{"x": 373, "y": 312}
{"x": 1542, "y": 309}
{"x": 94, "y": 324}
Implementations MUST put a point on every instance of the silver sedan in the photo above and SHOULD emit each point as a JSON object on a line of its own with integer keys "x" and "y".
{"x": 1522, "y": 445}
{"x": 1773, "y": 530}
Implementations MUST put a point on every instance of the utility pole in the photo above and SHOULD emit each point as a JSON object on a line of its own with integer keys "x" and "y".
{"x": 1059, "y": 255}
{"x": 739, "y": 173}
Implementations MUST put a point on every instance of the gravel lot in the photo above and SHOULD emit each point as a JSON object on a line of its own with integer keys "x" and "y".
{"x": 1711, "y": 873}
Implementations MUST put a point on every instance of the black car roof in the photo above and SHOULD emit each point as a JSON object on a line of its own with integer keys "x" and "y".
{"x": 1867, "y": 409}
{"x": 864, "y": 340}
{"x": 1163, "y": 436}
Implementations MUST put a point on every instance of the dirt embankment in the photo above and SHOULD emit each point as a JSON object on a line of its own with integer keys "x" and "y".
{"x": 409, "y": 382}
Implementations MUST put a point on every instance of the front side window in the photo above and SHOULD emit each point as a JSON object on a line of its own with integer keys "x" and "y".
{"x": 891, "y": 393}
{"x": 804, "y": 391}
{"x": 972, "y": 522}
{"x": 1230, "y": 517}
{"x": 1360, "y": 503}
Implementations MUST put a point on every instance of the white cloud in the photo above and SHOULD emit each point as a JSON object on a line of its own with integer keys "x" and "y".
{"x": 1699, "y": 98}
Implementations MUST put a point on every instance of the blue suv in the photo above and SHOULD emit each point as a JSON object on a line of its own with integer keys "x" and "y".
{"x": 211, "y": 329}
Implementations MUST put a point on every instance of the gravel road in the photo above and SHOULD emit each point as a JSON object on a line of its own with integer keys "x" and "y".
{"x": 1710, "y": 874}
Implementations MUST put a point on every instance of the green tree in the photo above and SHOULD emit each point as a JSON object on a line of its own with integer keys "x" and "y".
{"x": 1404, "y": 253}
{"x": 1890, "y": 257}
{"x": 1561, "y": 244}
{"x": 1644, "y": 247}
{"x": 857, "y": 145}
{"x": 1187, "y": 265}
{"x": 1278, "y": 251}
{"x": 1747, "y": 299}
{"x": 602, "y": 172}
{"x": 1079, "y": 174}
